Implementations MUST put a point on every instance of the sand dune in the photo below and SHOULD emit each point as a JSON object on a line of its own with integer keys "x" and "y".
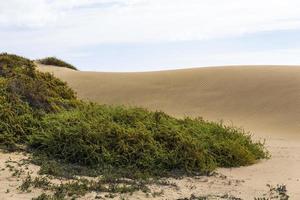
{"x": 263, "y": 99}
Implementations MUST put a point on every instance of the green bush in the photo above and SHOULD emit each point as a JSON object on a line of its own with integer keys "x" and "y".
{"x": 26, "y": 95}
{"x": 56, "y": 62}
{"x": 137, "y": 140}
{"x": 15, "y": 118}
{"x": 42, "y": 91}
{"x": 12, "y": 66}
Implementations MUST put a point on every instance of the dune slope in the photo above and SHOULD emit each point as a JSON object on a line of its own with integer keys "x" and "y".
{"x": 264, "y": 98}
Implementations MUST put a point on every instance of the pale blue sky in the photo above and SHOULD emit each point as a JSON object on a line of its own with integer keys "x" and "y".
{"x": 147, "y": 35}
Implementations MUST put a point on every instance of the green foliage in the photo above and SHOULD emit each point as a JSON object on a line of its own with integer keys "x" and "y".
{"x": 10, "y": 65}
{"x": 56, "y": 62}
{"x": 16, "y": 118}
{"x": 25, "y": 95}
{"x": 41, "y": 91}
{"x": 136, "y": 140}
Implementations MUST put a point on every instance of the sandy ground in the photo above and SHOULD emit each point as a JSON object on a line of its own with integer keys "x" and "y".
{"x": 9, "y": 183}
{"x": 263, "y": 99}
{"x": 244, "y": 182}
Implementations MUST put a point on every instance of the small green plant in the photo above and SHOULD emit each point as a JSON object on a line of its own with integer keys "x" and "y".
{"x": 56, "y": 62}
{"x": 26, "y": 184}
{"x": 275, "y": 192}
{"x": 157, "y": 194}
{"x": 208, "y": 197}
{"x": 37, "y": 182}
{"x": 44, "y": 196}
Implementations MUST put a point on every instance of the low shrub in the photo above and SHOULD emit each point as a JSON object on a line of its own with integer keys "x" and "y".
{"x": 56, "y": 62}
{"x": 137, "y": 140}
{"x": 25, "y": 96}
{"x": 42, "y": 91}
{"x": 16, "y": 118}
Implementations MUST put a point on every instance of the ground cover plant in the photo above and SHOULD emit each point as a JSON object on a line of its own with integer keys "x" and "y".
{"x": 56, "y": 62}
{"x": 40, "y": 114}
{"x": 137, "y": 140}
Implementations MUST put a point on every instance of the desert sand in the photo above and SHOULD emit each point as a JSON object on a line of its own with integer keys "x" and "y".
{"x": 264, "y": 100}
{"x": 258, "y": 98}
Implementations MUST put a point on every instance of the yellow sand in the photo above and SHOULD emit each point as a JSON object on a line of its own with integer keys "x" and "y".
{"x": 264, "y": 98}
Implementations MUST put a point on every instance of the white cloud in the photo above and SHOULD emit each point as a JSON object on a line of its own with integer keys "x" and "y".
{"x": 38, "y": 28}
{"x": 269, "y": 57}
{"x": 117, "y": 21}
{"x": 37, "y": 13}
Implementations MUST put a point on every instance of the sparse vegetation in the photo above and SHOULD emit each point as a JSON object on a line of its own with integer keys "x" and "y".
{"x": 275, "y": 192}
{"x": 210, "y": 197}
{"x": 278, "y": 192}
{"x": 79, "y": 187}
{"x": 56, "y": 62}
{"x": 44, "y": 196}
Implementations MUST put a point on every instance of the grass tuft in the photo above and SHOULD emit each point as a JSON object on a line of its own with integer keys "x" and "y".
{"x": 56, "y": 62}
